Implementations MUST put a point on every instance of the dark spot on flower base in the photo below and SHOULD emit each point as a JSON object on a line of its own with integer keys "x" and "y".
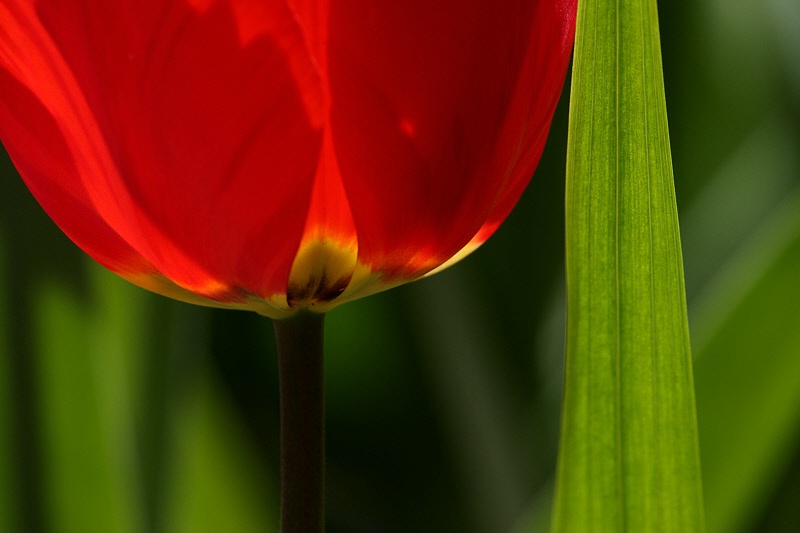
{"x": 317, "y": 290}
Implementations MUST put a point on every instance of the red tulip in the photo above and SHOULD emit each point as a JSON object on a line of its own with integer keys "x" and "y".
{"x": 279, "y": 155}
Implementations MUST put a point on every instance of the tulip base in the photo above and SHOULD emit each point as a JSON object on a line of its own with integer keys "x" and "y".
{"x": 299, "y": 342}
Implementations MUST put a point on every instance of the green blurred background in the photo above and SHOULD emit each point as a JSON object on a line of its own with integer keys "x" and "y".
{"x": 121, "y": 411}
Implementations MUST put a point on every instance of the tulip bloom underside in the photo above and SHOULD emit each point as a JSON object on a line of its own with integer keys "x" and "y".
{"x": 279, "y": 155}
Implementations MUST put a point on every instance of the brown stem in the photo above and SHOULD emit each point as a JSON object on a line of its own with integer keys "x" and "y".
{"x": 299, "y": 341}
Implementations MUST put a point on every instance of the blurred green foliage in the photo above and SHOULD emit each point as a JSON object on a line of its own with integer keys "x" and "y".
{"x": 121, "y": 411}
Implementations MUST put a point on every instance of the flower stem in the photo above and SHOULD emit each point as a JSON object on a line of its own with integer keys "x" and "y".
{"x": 300, "y": 373}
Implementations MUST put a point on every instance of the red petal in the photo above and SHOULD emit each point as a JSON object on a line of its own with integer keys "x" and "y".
{"x": 195, "y": 129}
{"x": 205, "y": 139}
{"x": 42, "y": 156}
{"x": 437, "y": 109}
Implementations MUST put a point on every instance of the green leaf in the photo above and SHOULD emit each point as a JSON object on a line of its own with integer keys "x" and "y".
{"x": 628, "y": 458}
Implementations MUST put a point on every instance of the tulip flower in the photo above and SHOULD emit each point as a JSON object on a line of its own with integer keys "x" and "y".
{"x": 279, "y": 155}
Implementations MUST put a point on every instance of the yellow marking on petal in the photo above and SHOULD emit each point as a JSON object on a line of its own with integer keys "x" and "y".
{"x": 322, "y": 270}
{"x": 325, "y": 273}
